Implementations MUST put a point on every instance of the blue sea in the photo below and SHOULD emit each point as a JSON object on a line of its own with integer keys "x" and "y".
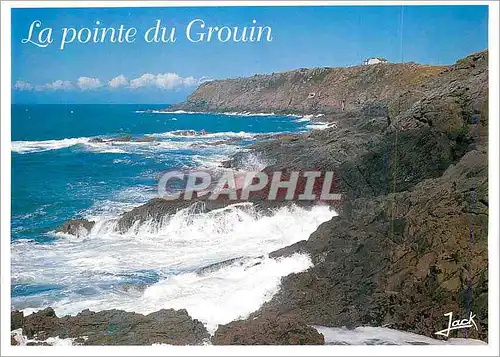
{"x": 60, "y": 172}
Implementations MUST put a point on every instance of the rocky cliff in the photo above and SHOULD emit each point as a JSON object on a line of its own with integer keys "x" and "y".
{"x": 411, "y": 153}
{"x": 411, "y": 241}
{"x": 318, "y": 90}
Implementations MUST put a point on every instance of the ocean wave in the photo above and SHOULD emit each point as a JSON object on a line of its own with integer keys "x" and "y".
{"x": 237, "y": 114}
{"x": 24, "y": 147}
{"x": 367, "y": 335}
{"x": 189, "y": 133}
{"x": 127, "y": 147}
{"x": 175, "y": 249}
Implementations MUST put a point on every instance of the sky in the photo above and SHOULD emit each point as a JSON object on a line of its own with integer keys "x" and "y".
{"x": 166, "y": 73}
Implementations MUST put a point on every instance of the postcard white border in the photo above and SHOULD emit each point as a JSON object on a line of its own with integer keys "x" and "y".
{"x": 445, "y": 350}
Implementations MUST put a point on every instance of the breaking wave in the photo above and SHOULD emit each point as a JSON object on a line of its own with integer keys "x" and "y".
{"x": 23, "y": 147}
{"x": 190, "y": 138}
{"x": 196, "y": 134}
{"x": 213, "y": 264}
{"x": 236, "y": 114}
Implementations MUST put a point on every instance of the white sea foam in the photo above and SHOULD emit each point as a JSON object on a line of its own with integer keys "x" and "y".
{"x": 96, "y": 266}
{"x": 52, "y": 341}
{"x": 195, "y": 134}
{"x": 23, "y": 147}
{"x": 384, "y": 336}
{"x": 321, "y": 125}
{"x": 308, "y": 118}
{"x": 238, "y": 114}
{"x": 254, "y": 162}
{"x": 126, "y": 147}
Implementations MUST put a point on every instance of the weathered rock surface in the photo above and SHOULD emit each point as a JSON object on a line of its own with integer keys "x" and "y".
{"x": 117, "y": 327}
{"x": 410, "y": 151}
{"x": 271, "y": 330}
{"x": 317, "y": 90}
{"x": 401, "y": 260}
{"x": 16, "y": 320}
{"x": 157, "y": 210}
{"x": 374, "y": 155}
{"x": 144, "y": 139}
{"x": 410, "y": 243}
{"x": 76, "y": 227}
{"x": 124, "y": 138}
{"x": 43, "y": 324}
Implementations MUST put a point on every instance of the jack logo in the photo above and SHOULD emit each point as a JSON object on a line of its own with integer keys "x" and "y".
{"x": 457, "y": 324}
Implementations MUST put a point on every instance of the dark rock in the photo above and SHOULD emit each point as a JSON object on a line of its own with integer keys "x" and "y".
{"x": 16, "y": 319}
{"x": 219, "y": 265}
{"x": 399, "y": 253}
{"x": 76, "y": 227}
{"x": 186, "y": 133}
{"x": 42, "y": 324}
{"x": 123, "y": 138}
{"x": 299, "y": 247}
{"x": 410, "y": 152}
{"x": 215, "y": 143}
{"x": 269, "y": 330}
{"x": 156, "y": 210}
{"x": 145, "y": 139}
{"x": 117, "y": 327}
{"x": 401, "y": 259}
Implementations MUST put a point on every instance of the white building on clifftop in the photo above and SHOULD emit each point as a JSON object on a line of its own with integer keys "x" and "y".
{"x": 374, "y": 60}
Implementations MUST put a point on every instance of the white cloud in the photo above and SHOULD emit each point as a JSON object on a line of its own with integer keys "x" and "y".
{"x": 146, "y": 80}
{"x": 23, "y": 86}
{"x": 56, "y": 85}
{"x": 173, "y": 80}
{"x": 87, "y": 83}
{"x": 118, "y": 81}
{"x": 167, "y": 81}
{"x": 59, "y": 85}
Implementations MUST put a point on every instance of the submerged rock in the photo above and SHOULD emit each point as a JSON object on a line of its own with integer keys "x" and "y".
{"x": 145, "y": 139}
{"x": 186, "y": 133}
{"x": 123, "y": 138}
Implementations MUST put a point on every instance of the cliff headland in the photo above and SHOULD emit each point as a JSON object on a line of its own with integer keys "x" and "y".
{"x": 409, "y": 144}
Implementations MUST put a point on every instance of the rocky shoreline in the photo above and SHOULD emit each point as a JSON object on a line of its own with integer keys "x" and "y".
{"x": 410, "y": 242}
